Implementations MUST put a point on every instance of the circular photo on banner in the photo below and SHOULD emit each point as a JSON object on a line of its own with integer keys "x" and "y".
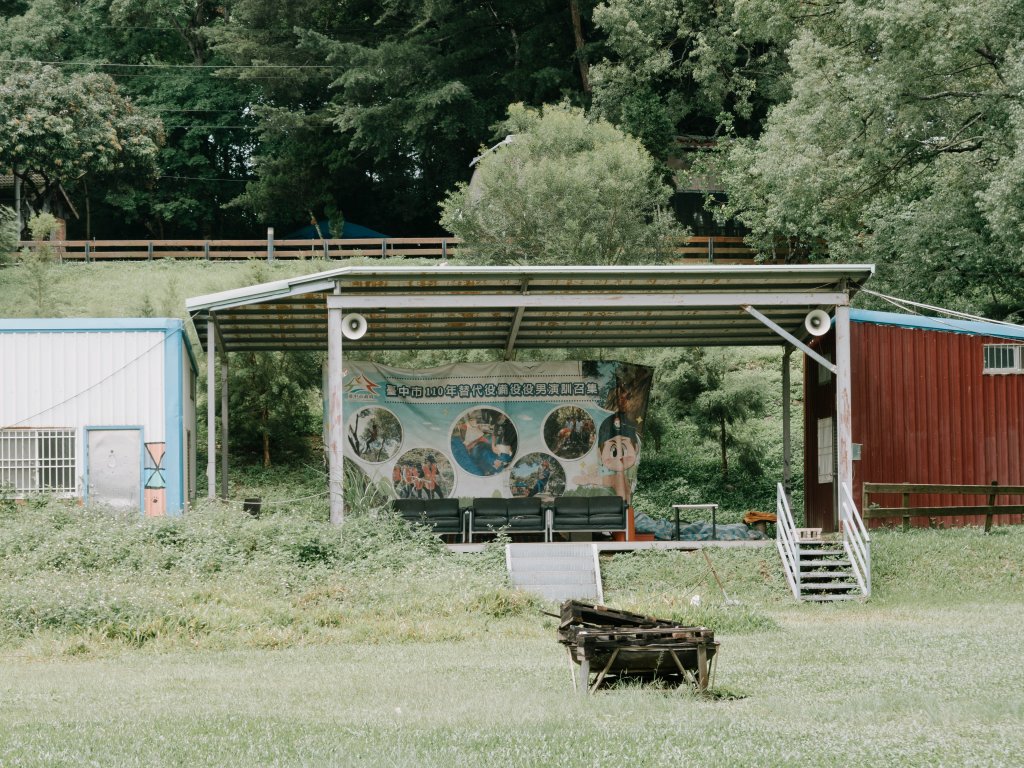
{"x": 374, "y": 433}
{"x": 569, "y": 432}
{"x": 484, "y": 441}
{"x": 537, "y": 474}
{"x": 423, "y": 473}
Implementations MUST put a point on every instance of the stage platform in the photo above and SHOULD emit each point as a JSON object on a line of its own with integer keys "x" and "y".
{"x": 612, "y": 547}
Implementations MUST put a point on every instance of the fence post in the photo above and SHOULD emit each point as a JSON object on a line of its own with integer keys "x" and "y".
{"x": 86, "y": 251}
{"x": 906, "y": 518}
{"x": 991, "y": 504}
{"x": 711, "y": 249}
{"x": 444, "y": 249}
{"x": 206, "y": 249}
{"x": 383, "y": 248}
{"x": 149, "y": 251}
{"x": 270, "y": 243}
{"x": 327, "y": 251}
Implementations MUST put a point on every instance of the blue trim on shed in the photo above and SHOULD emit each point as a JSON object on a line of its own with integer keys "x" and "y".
{"x": 920, "y": 322}
{"x": 173, "y": 448}
{"x": 67, "y": 324}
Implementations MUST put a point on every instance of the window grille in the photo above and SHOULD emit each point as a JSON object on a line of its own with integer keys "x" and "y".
{"x": 38, "y": 460}
{"x": 1004, "y": 358}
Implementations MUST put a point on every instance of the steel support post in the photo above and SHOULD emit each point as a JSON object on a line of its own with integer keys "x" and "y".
{"x": 211, "y": 409}
{"x": 335, "y": 416}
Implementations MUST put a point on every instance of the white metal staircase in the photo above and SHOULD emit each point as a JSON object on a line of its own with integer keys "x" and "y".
{"x": 563, "y": 571}
{"x": 825, "y": 570}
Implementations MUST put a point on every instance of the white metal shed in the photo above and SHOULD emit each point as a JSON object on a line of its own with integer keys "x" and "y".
{"x": 102, "y": 409}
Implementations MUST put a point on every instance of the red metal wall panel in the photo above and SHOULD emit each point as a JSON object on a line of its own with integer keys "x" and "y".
{"x": 923, "y": 412}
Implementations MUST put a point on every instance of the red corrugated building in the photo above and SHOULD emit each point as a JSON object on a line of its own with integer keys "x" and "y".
{"x": 934, "y": 401}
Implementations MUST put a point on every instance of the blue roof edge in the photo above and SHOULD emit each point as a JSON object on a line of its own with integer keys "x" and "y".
{"x": 973, "y": 327}
{"x": 90, "y": 324}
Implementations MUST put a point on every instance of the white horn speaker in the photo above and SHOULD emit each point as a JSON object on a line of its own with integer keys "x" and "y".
{"x": 353, "y": 326}
{"x": 817, "y": 322}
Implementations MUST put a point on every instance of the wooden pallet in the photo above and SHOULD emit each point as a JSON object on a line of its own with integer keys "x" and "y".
{"x": 619, "y": 645}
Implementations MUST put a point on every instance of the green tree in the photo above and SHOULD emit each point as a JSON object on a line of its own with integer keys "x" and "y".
{"x": 563, "y": 190}
{"x": 63, "y": 128}
{"x": 270, "y": 402}
{"x": 717, "y": 413}
{"x": 411, "y": 90}
{"x": 715, "y": 392}
{"x": 685, "y": 67}
{"x": 898, "y": 144}
{"x": 38, "y": 265}
{"x": 9, "y": 235}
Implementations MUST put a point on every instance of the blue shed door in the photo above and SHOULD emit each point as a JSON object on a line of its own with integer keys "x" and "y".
{"x": 115, "y": 467}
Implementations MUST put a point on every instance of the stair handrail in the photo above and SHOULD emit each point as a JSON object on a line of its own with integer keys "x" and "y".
{"x": 786, "y": 541}
{"x": 856, "y": 539}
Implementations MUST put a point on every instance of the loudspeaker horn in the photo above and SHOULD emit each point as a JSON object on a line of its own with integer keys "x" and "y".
{"x": 817, "y": 322}
{"x": 353, "y": 326}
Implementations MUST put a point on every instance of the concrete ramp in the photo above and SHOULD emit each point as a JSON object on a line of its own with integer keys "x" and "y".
{"x": 564, "y": 571}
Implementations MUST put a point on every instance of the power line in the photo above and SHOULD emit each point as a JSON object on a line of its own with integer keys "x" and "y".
{"x": 907, "y": 304}
{"x": 79, "y": 63}
{"x": 92, "y": 386}
{"x": 206, "y": 178}
{"x": 209, "y": 127}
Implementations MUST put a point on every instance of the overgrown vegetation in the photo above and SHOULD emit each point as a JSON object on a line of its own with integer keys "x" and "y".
{"x": 78, "y": 579}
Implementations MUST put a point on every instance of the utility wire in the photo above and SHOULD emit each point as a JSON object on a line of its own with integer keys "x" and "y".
{"x": 93, "y": 386}
{"x": 191, "y": 67}
{"x": 912, "y": 306}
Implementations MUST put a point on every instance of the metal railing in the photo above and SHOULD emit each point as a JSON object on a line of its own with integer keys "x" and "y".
{"x": 856, "y": 540}
{"x": 786, "y": 541}
{"x": 697, "y": 249}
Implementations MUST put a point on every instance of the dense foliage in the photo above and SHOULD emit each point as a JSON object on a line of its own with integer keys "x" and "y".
{"x": 867, "y": 130}
{"x": 562, "y": 190}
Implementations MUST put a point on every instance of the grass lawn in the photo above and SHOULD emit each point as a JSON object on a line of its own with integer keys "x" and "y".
{"x": 926, "y": 673}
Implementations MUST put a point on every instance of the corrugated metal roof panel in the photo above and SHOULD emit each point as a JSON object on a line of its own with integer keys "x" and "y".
{"x": 491, "y": 307}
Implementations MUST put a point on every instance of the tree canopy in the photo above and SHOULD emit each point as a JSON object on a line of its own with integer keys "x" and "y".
{"x": 870, "y": 130}
{"x": 562, "y": 189}
{"x": 60, "y": 129}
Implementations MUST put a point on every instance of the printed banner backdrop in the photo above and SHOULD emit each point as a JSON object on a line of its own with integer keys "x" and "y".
{"x": 497, "y": 429}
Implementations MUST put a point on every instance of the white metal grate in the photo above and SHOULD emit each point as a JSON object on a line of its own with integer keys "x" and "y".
{"x": 38, "y": 460}
{"x": 1004, "y": 358}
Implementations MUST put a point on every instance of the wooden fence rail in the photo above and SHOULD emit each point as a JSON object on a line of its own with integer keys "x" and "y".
{"x": 908, "y": 489}
{"x": 698, "y": 249}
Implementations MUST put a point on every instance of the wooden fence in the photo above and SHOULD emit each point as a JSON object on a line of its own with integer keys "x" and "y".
{"x": 700, "y": 249}
{"x": 907, "y": 489}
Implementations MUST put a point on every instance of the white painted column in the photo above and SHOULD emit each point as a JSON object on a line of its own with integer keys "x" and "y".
{"x": 844, "y": 407}
{"x": 335, "y": 416}
{"x": 223, "y": 422}
{"x": 787, "y": 444}
{"x": 211, "y": 409}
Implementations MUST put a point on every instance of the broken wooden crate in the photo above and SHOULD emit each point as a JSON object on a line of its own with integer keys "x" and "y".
{"x": 619, "y": 645}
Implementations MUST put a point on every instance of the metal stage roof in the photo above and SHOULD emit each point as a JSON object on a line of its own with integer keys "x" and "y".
{"x": 509, "y": 308}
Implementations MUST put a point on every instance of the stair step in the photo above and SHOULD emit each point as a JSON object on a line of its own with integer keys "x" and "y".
{"x": 816, "y": 563}
{"x": 520, "y": 578}
{"x": 829, "y": 598}
{"x": 830, "y": 585}
{"x": 529, "y": 564}
{"x": 816, "y": 552}
{"x": 565, "y": 549}
{"x": 826, "y": 575}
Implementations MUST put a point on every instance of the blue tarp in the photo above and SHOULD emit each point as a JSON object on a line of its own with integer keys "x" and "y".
{"x": 665, "y": 530}
{"x": 350, "y": 232}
